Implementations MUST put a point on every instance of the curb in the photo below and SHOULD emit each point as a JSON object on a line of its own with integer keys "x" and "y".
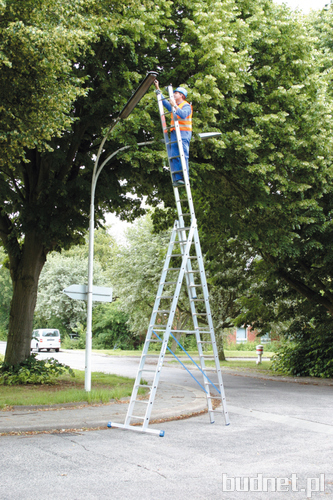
{"x": 57, "y": 418}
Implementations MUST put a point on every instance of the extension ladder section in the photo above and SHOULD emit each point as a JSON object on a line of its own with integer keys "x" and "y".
{"x": 183, "y": 266}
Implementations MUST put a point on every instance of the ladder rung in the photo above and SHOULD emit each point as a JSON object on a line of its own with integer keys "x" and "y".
{"x": 200, "y": 314}
{"x": 157, "y": 326}
{"x": 162, "y": 311}
{"x": 170, "y": 282}
{"x": 204, "y": 341}
{"x": 190, "y": 332}
{"x": 135, "y": 416}
{"x": 166, "y": 297}
{"x": 173, "y": 269}
{"x": 183, "y": 331}
{"x": 172, "y": 158}
{"x": 141, "y": 401}
{"x": 144, "y": 385}
{"x": 153, "y": 340}
{"x": 183, "y": 228}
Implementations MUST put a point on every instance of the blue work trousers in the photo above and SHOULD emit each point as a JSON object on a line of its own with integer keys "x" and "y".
{"x": 175, "y": 163}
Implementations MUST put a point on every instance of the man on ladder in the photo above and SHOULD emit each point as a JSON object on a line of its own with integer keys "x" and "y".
{"x": 184, "y": 266}
{"x": 184, "y": 111}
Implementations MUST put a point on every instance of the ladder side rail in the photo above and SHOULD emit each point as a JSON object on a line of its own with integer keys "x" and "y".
{"x": 163, "y": 122}
{"x": 179, "y": 139}
{"x": 168, "y": 327}
{"x": 210, "y": 323}
{"x": 166, "y": 137}
{"x": 189, "y": 277}
{"x": 183, "y": 237}
{"x": 201, "y": 268}
{"x": 150, "y": 329}
{"x": 182, "y": 156}
{"x": 198, "y": 337}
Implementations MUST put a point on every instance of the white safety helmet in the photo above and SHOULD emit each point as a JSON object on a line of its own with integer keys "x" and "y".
{"x": 182, "y": 91}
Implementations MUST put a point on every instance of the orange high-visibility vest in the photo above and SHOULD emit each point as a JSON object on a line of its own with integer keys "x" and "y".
{"x": 185, "y": 123}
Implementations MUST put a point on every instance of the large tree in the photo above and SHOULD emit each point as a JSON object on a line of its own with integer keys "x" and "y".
{"x": 67, "y": 68}
{"x": 67, "y": 71}
{"x": 252, "y": 75}
{"x": 270, "y": 185}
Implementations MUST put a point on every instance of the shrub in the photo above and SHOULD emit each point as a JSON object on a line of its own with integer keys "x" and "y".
{"x": 79, "y": 342}
{"x": 33, "y": 371}
{"x": 110, "y": 329}
{"x": 307, "y": 357}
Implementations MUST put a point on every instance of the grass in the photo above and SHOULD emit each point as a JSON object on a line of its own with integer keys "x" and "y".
{"x": 246, "y": 354}
{"x": 106, "y": 387}
{"x": 228, "y": 354}
{"x": 233, "y": 364}
{"x": 67, "y": 389}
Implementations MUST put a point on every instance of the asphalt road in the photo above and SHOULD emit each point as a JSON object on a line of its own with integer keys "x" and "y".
{"x": 279, "y": 446}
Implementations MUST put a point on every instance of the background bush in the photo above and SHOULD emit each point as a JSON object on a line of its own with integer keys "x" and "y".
{"x": 33, "y": 371}
{"x": 307, "y": 357}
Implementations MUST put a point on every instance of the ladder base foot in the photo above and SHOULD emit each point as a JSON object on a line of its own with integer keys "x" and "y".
{"x": 137, "y": 428}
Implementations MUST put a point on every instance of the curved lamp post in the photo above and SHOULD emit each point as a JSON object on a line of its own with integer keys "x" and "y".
{"x": 128, "y": 108}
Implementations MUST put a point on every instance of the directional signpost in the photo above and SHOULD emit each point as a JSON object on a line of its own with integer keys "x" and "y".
{"x": 80, "y": 292}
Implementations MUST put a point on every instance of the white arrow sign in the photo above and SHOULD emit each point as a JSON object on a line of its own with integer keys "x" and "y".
{"x": 207, "y": 135}
{"x": 80, "y": 292}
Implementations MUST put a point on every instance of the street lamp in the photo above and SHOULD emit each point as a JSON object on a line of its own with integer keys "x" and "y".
{"x": 128, "y": 108}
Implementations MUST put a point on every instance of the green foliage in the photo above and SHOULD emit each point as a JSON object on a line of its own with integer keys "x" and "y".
{"x": 135, "y": 272}
{"x": 54, "y": 308}
{"x": 110, "y": 329}
{"x": 312, "y": 357}
{"x": 255, "y": 72}
{"x": 33, "y": 371}
{"x": 309, "y": 347}
{"x": 79, "y": 342}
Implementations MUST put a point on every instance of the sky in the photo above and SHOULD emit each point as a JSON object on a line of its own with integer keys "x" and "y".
{"x": 304, "y": 5}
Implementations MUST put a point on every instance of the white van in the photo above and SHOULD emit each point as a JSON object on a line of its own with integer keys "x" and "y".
{"x": 45, "y": 338}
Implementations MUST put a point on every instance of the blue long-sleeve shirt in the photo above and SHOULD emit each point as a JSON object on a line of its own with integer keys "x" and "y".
{"x": 183, "y": 112}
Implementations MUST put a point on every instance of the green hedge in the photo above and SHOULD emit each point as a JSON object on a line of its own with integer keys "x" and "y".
{"x": 311, "y": 357}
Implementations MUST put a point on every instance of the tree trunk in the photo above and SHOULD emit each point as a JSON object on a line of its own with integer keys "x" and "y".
{"x": 219, "y": 344}
{"x": 25, "y": 270}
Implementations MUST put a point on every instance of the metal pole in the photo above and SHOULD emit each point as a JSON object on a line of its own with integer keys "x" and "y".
{"x": 87, "y": 379}
{"x": 126, "y": 111}
{"x": 96, "y": 173}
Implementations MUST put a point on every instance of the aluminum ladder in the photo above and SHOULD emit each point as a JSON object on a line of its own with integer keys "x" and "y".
{"x": 183, "y": 263}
